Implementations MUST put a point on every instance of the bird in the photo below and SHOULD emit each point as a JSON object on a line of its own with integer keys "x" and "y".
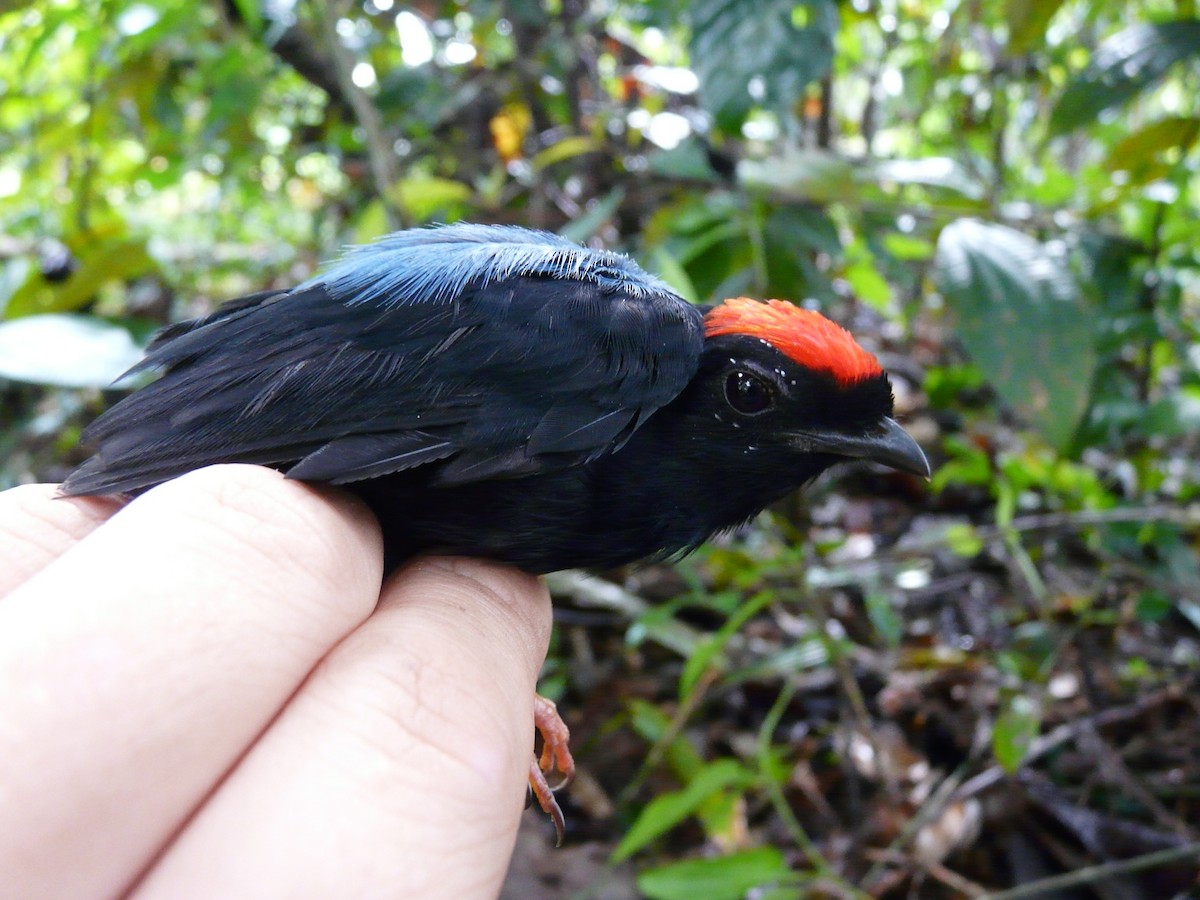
{"x": 505, "y": 393}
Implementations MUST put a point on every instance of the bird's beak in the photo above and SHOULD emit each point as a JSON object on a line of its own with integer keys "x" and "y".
{"x": 889, "y": 444}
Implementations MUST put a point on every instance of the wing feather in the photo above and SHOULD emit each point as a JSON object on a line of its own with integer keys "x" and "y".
{"x": 517, "y": 369}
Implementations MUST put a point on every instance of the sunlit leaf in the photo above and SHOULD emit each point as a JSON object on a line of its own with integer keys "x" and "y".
{"x": 567, "y": 148}
{"x": 1027, "y": 21}
{"x": 906, "y": 246}
{"x": 722, "y": 878}
{"x": 1140, "y": 153}
{"x": 931, "y": 171}
{"x": 427, "y": 197}
{"x": 65, "y": 350}
{"x": 1022, "y": 318}
{"x": 1123, "y": 66}
{"x": 816, "y": 175}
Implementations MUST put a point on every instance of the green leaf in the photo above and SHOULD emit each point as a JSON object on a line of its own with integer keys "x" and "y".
{"x": 1014, "y": 732}
{"x": 567, "y": 148}
{"x": 686, "y": 161}
{"x": 1027, "y": 21}
{"x": 372, "y": 223}
{"x": 426, "y": 197}
{"x": 1023, "y": 320}
{"x": 594, "y": 219}
{"x": 883, "y": 618}
{"x": 779, "y": 45}
{"x": 708, "y": 652}
{"x": 1173, "y": 416}
{"x": 930, "y": 171}
{"x": 802, "y": 174}
{"x": 1153, "y": 606}
{"x": 963, "y": 539}
{"x": 666, "y": 811}
{"x": 1140, "y": 153}
{"x": 99, "y": 261}
{"x": 668, "y": 268}
{"x": 723, "y": 878}
{"x": 906, "y": 246}
{"x": 65, "y": 350}
{"x": 251, "y": 14}
{"x": 1122, "y": 67}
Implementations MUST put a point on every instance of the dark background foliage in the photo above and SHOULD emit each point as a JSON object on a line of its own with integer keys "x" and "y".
{"x": 892, "y": 689}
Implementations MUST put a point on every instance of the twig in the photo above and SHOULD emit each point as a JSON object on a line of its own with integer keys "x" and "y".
{"x": 812, "y": 853}
{"x": 674, "y": 727}
{"x": 1091, "y": 874}
{"x": 1066, "y": 732}
{"x": 1188, "y": 517}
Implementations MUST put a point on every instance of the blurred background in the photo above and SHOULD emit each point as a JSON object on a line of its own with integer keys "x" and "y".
{"x": 986, "y": 683}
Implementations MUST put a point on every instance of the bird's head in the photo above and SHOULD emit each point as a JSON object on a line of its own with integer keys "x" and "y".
{"x": 785, "y": 386}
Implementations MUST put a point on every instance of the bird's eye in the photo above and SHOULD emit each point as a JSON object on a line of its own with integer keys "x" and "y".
{"x": 748, "y": 394}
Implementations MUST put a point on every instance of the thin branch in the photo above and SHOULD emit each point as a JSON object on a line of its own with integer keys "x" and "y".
{"x": 1063, "y": 733}
{"x": 1092, "y": 874}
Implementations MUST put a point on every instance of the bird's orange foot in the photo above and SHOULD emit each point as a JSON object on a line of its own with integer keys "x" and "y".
{"x": 555, "y": 758}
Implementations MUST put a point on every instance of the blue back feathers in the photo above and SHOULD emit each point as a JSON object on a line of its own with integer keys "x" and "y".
{"x": 438, "y": 263}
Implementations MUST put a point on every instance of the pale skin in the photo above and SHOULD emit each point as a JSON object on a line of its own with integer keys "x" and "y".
{"x": 206, "y": 693}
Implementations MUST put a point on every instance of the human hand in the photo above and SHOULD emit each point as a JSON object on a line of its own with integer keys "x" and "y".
{"x": 205, "y": 693}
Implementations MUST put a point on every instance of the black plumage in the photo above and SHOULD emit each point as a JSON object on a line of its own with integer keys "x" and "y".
{"x": 497, "y": 392}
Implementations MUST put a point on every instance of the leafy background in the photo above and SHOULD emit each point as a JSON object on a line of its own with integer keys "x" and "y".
{"x": 981, "y": 686}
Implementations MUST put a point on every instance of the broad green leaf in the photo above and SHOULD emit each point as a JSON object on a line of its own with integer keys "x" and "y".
{"x": 930, "y": 171}
{"x": 793, "y": 236}
{"x": 1015, "y": 730}
{"x": 1122, "y": 67}
{"x": 1140, "y": 153}
{"x": 722, "y": 878}
{"x": 686, "y": 161}
{"x": 1023, "y": 320}
{"x": 1027, "y": 21}
{"x": 666, "y": 811}
{"x": 65, "y": 350}
{"x": 816, "y": 175}
{"x": 778, "y": 45}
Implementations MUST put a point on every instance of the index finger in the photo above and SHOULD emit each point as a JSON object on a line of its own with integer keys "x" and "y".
{"x": 37, "y": 526}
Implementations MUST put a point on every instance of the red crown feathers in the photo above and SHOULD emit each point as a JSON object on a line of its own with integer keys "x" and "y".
{"x": 805, "y": 336}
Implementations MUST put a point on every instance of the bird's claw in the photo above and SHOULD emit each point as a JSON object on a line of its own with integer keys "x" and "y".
{"x": 555, "y": 757}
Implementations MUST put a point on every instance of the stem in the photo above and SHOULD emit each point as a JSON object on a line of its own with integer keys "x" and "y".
{"x": 379, "y": 150}
{"x": 1092, "y": 874}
